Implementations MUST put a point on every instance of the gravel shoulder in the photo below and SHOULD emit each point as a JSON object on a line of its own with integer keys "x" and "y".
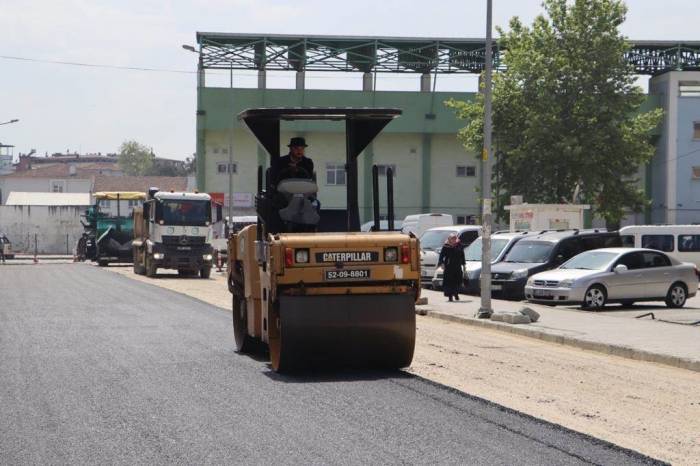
{"x": 642, "y": 406}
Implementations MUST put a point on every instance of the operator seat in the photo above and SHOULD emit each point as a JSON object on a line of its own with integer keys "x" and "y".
{"x": 299, "y": 209}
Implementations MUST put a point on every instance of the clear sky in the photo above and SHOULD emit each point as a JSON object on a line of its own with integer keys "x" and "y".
{"x": 85, "y": 109}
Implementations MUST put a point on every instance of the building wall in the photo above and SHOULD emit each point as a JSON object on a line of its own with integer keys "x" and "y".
{"x": 675, "y": 194}
{"x": 421, "y": 144}
{"x": 36, "y": 185}
{"x": 57, "y": 228}
{"x": 688, "y": 156}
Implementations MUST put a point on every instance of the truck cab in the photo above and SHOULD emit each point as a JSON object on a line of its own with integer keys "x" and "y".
{"x": 174, "y": 230}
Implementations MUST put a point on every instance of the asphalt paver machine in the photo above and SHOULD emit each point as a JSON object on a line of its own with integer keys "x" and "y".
{"x": 107, "y": 236}
{"x": 314, "y": 294}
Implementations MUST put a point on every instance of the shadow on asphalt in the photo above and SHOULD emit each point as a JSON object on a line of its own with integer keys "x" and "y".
{"x": 326, "y": 375}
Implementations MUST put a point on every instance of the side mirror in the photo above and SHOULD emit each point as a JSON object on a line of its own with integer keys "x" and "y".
{"x": 620, "y": 268}
{"x": 219, "y": 212}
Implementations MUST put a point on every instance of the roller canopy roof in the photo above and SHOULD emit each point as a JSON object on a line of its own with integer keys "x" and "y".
{"x": 121, "y": 195}
{"x": 362, "y": 124}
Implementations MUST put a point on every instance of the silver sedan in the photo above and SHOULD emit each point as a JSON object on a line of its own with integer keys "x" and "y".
{"x": 624, "y": 275}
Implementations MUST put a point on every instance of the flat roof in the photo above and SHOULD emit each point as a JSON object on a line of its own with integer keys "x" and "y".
{"x": 19, "y": 198}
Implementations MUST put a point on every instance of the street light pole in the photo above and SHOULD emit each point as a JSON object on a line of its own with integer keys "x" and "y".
{"x": 485, "y": 310}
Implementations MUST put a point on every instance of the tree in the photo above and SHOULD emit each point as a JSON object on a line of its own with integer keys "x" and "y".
{"x": 566, "y": 111}
{"x": 135, "y": 159}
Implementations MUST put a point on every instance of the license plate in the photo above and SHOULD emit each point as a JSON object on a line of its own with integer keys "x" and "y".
{"x": 347, "y": 274}
{"x": 496, "y": 287}
{"x": 541, "y": 293}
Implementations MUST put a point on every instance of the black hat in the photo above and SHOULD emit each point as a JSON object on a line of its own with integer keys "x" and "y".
{"x": 297, "y": 142}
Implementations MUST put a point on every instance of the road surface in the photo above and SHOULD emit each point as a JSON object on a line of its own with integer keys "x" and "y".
{"x": 98, "y": 368}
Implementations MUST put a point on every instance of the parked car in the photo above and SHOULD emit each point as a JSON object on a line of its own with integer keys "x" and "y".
{"x": 431, "y": 244}
{"x": 544, "y": 251}
{"x": 625, "y": 275}
{"x": 679, "y": 241}
{"x": 383, "y": 224}
{"x": 420, "y": 223}
{"x": 501, "y": 243}
{"x": 6, "y": 246}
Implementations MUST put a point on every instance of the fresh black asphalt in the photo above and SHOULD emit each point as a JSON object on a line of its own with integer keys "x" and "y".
{"x": 98, "y": 368}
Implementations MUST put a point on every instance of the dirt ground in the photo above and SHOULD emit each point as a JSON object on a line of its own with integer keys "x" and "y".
{"x": 646, "y": 407}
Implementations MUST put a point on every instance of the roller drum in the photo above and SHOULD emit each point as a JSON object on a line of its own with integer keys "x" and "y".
{"x": 376, "y": 331}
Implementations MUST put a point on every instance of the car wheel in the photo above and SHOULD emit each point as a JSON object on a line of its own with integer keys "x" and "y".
{"x": 627, "y": 303}
{"x": 676, "y": 296}
{"x": 595, "y": 298}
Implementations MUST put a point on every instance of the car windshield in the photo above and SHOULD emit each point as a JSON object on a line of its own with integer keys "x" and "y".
{"x": 530, "y": 252}
{"x": 176, "y": 212}
{"x": 434, "y": 239}
{"x": 591, "y": 260}
{"x": 473, "y": 252}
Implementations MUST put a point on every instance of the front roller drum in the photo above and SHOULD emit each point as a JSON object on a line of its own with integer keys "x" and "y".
{"x": 360, "y": 331}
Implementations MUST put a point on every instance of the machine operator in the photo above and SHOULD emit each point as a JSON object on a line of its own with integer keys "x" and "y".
{"x": 293, "y": 165}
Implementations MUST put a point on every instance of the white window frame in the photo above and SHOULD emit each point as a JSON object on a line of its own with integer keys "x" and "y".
{"x": 226, "y": 165}
{"x": 54, "y": 183}
{"x": 336, "y": 168}
{"x": 465, "y": 171}
{"x": 104, "y": 203}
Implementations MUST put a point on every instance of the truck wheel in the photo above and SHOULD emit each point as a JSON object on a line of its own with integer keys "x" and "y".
{"x": 102, "y": 263}
{"x": 151, "y": 268}
{"x": 205, "y": 272}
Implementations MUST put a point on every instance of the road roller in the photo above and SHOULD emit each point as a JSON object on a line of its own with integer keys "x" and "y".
{"x": 307, "y": 285}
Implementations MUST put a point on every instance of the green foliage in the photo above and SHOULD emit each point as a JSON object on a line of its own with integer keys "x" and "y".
{"x": 135, "y": 159}
{"x": 566, "y": 111}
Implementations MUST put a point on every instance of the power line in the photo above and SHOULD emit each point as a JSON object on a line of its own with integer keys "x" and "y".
{"x": 96, "y": 65}
{"x": 220, "y": 72}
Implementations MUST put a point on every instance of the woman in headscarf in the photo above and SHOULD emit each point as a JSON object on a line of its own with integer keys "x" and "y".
{"x": 452, "y": 261}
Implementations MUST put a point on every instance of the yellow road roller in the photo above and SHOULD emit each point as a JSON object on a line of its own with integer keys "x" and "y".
{"x": 306, "y": 283}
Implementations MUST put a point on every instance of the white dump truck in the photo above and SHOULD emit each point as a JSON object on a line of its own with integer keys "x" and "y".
{"x": 174, "y": 230}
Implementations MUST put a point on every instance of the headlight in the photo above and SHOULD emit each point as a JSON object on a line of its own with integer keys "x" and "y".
{"x": 566, "y": 283}
{"x": 522, "y": 273}
{"x": 530, "y": 282}
{"x": 301, "y": 256}
{"x": 392, "y": 255}
{"x": 158, "y": 255}
{"x": 207, "y": 257}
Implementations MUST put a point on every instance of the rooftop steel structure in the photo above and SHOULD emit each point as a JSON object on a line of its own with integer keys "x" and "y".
{"x": 399, "y": 54}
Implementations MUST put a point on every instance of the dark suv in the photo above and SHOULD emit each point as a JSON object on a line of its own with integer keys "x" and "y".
{"x": 545, "y": 251}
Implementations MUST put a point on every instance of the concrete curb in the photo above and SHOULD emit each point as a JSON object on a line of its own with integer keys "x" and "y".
{"x": 615, "y": 350}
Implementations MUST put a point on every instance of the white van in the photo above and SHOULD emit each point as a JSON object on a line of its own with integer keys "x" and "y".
{"x": 679, "y": 241}
{"x": 419, "y": 223}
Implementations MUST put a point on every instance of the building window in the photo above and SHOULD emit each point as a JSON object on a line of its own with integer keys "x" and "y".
{"x": 335, "y": 174}
{"x": 104, "y": 203}
{"x": 134, "y": 203}
{"x": 215, "y": 150}
{"x": 466, "y": 219}
{"x": 696, "y": 130}
{"x": 221, "y": 167}
{"x": 696, "y": 173}
{"x": 464, "y": 171}
{"x": 382, "y": 169}
{"x": 58, "y": 186}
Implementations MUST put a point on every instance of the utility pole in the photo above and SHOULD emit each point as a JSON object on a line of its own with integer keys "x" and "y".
{"x": 485, "y": 310}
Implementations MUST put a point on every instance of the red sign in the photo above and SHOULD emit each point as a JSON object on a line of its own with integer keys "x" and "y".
{"x": 217, "y": 197}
